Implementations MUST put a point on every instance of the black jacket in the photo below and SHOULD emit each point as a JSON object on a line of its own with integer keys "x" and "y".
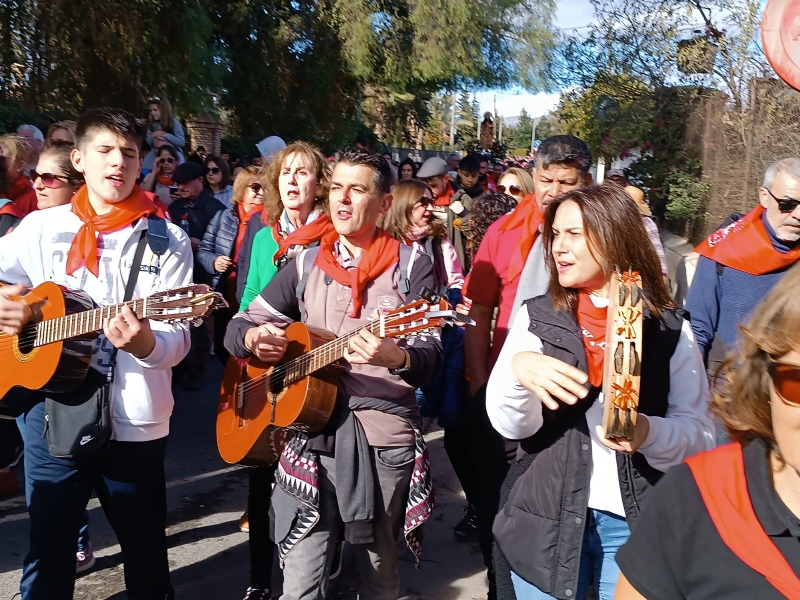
{"x": 198, "y": 213}
{"x": 218, "y": 240}
{"x": 540, "y": 529}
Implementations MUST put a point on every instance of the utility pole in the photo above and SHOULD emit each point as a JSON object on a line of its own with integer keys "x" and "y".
{"x": 533, "y": 131}
{"x": 453, "y": 124}
{"x": 500, "y": 135}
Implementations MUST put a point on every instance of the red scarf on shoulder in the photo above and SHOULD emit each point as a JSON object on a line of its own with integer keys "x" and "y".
{"x": 528, "y": 216}
{"x": 745, "y": 246}
{"x": 444, "y": 199}
{"x": 382, "y": 254}
{"x": 83, "y": 250}
{"x": 319, "y": 228}
{"x": 23, "y": 195}
{"x": 721, "y": 479}
{"x": 592, "y": 320}
{"x": 164, "y": 180}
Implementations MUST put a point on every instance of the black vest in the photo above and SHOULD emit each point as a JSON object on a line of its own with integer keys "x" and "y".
{"x": 540, "y": 528}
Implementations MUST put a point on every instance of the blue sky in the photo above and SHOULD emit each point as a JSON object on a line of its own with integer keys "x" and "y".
{"x": 570, "y": 14}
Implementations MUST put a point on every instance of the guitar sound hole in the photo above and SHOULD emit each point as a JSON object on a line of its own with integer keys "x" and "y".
{"x": 26, "y": 338}
{"x": 276, "y": 383}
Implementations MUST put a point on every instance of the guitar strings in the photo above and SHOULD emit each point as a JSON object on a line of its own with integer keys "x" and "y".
{"x": 306, "y": 359}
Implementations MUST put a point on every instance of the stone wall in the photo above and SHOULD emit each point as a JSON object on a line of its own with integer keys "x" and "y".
{"x": 205, "y": 130}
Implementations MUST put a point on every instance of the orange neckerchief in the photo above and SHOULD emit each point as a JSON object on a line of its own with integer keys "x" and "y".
{"x": 745, "y": 246}
{"x": 319, "y": 228}
{"x": 444, "y": 199}
{"x": 382, "y": 254}
{"x": 592, "y": 320}
{"x": 528, "y": 216}
{"x": 720, "y": 477}
{"x": 83, "y": 250}
{"x": 244, "y": 219}
{"x": 164, "y": 180}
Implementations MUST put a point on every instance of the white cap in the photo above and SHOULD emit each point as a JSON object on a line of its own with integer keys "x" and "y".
{"x": 269, "y": 146}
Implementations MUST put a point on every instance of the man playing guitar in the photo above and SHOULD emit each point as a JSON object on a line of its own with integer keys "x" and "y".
{"x": 361, "y": 464}
{"x": 89, "y": 244}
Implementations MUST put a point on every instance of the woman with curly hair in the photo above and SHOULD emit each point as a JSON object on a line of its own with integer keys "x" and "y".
{"x": 726, "y": 524}
{"x": 407, "y": 169}
{"x": 295, "y": 214}
{"x": 488, "y": 207}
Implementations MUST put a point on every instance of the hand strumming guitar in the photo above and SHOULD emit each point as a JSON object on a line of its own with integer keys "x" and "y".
{"x": 129, "y": 334}
{"x": 367, "y": 348}
{"x": 266, "y": 342}
{"x": 14, "y": 312}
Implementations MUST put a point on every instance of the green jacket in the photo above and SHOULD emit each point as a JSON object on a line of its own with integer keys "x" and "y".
{"x": 262, "y": 269}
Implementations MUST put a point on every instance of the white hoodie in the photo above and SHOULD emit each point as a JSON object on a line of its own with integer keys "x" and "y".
{"x": 36, "y": 251}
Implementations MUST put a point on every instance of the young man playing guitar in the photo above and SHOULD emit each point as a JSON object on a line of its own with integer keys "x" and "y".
{"x": 90, "y": 244}
{"x": 360, "y": 466}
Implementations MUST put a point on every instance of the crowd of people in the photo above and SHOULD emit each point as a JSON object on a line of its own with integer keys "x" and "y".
{"x": 526, "y": 251}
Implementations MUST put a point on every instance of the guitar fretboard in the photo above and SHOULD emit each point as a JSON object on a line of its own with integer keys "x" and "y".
{"x": 82, "y": 323}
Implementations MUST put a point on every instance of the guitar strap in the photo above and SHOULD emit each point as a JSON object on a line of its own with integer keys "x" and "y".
{"x": 133, "y": 276}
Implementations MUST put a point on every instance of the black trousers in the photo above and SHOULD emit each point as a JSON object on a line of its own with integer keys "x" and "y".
{"x": 262, "y": 547}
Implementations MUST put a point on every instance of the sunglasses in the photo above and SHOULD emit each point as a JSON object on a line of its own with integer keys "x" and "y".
{"x": 514, "y": 190}
{"x": 48, "y": 179}
{"x": 786, "y": 380}
{"x": 212, "y": 170}
{"x": 58, "y": 143}
{"x": 785, "y": 205}
{"x": 425, "y": 201}
{"x": 256, "y": 187}
{"x": 169, "y": 160}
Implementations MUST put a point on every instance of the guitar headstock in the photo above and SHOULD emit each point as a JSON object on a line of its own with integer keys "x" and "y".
{"x": 190, "y": 303}
{"x": 417, "y": 318}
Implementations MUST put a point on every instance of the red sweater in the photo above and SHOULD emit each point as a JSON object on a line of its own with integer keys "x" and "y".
{"x": 23, "y": 195}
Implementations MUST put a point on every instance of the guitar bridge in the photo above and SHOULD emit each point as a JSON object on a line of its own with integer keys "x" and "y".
{"x": 240, "y": 403}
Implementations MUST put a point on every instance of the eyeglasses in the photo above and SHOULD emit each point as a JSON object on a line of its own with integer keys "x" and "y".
{"x": 212, "y": 170}
{"x": 256, "y": 187}
{"x": 424, "y": 201}
{"x": 49, "y": 179}
{"x": 61, "y": 143}
{"x": 514, "y": 190}
{"x": 169, "y": 160}
{"x": 785, "y": 205}
{"x": 786, "y": 380}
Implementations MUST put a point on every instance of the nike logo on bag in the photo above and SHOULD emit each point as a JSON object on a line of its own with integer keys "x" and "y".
{"x": 86, "y": 439}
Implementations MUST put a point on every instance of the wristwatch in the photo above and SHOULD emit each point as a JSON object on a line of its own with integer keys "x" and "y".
{"x": 406, "y": 365}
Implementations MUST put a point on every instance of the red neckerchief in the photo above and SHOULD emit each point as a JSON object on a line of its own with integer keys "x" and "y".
{"x": 164, "y": 180}
{"x": 593, "y": 320}
{"x": 382, "y": 254}
{"x": 528, "y": 216}
{"x": 720, "y": 477}
{"x": 244, "y": 219}
{"x": 444, "y": 199}
{"x": 10, "y": 208}
{"x": 23, "y": 195}
{"x": 319, "y": 228}
{"x": 83, "y": 250}
{"x": 746, "y": 246}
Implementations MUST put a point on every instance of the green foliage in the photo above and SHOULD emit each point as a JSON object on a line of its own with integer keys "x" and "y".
{"x": 684, "y": 194}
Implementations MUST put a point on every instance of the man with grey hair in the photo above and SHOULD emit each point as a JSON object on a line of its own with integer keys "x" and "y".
{"x": 33, "y": 140}
{"x": 741, "y": 262}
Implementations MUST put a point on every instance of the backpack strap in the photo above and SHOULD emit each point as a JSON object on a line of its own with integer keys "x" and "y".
{"x": 157, "y": 237}
{"x": 407, "y": 256}
{"x": 305, "y": 267}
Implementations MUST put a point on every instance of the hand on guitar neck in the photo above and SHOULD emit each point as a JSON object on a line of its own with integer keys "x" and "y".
{"x": 129, "y": 334}
{"x": 14, "y": 311}
{"x": 368, "y": 348}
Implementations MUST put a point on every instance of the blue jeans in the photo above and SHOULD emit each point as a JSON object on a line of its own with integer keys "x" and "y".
{"x": 603, "y": 536}
{"x": 83, "y": 535}
{"x": 129, "y": 480}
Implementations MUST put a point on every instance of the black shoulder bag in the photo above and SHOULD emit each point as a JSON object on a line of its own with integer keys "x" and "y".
{"x": 79, "y": 423}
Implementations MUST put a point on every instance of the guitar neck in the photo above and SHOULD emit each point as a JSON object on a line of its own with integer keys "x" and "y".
{"x": 83, "y": 323}
{"x": 321, "y": 357}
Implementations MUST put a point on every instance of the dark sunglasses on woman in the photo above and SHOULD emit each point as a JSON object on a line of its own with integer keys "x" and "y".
{"x": 61, "y": 143}
{"x": 48, "y": 179}
{"x": 169, "y": 160}
{"x": 212, "y": 170}
{"x": 514, "y": 190}
{"x": 256, "y": 187}
{"x": 786, "y": 380}
{"x": 425, "y": 201}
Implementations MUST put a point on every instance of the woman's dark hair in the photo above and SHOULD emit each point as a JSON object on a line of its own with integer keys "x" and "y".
{"x": 616, "y": 237}
{"x": 61, "y": 155}
{"x": 407, "y": 161}
{"x": 487, "y": 208}
{"x": 169, "y": 149}
{"x": 166, "y": 121}
{"x": 5, "y": 183}
{"x": 223, "y": 167}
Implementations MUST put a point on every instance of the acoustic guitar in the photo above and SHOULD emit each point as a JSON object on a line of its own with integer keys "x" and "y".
{"x": 53, "y": 352}
{"x": 262, "y": 405}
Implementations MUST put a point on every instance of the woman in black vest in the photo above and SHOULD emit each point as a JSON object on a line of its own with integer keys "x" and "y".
{"x": 576, "y": 492}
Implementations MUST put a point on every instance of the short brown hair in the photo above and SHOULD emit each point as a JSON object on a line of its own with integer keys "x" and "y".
{"x": 741, "y": 399}
{"x": 613, "y": 228}
{"x": 397, "y": 220}
{"x": 273, "y": 205}
{"x": 245, "y": 179}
